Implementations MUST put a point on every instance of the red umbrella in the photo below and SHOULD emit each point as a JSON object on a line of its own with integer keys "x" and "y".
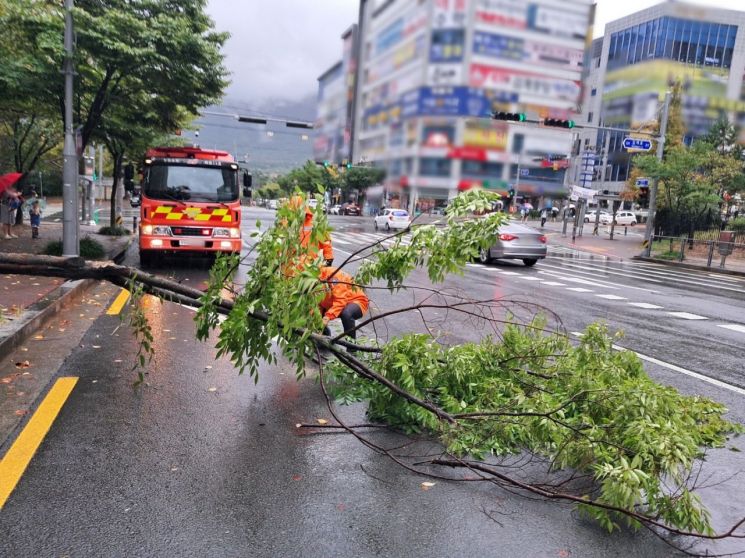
{"x": 7, "y": 180}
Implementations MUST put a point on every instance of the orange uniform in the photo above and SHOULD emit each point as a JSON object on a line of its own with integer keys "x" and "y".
{"x": 324, "y": 246}
{"x": 340, "y": 291}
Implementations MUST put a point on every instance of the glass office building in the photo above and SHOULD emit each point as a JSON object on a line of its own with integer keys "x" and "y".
{"x": 641, "y": 56}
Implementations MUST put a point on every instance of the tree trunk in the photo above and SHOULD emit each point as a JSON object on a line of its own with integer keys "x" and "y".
{"x": 118, "y": 158}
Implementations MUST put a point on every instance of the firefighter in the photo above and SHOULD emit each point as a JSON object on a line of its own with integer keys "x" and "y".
{"x": 324, "y": 246}
{"x": 343, "y": 300}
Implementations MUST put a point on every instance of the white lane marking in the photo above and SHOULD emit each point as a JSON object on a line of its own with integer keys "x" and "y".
{"x": 508, "y": 272}
{"x": 733, "y": 327}
{"x": 656, "y": 276}
{"x": 565, "y": 277}
{"x": 729, "y": 278}
{"x": 593, "y": 272}
{"x": 687, "y": 316}
{"x": 675, "y": 368}
{"x": 528, "y": 278}
{"x": 645, "y": 305}
{"x": 554, "y": 284}
{"x": 340, "y": 241}
{"x": 579, "y": 290}
{"x": 475, "y": 265}
{"x": 595, "y": 280}
{"x": 611, "y": 297}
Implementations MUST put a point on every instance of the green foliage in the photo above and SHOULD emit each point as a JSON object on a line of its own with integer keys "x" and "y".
{"x": 114, "y": 231}
{"x": 587, "y": 408}
{"x": 90, "y": 249}
{"x": 737, "y": 225}
{"x": 142, "y": 332}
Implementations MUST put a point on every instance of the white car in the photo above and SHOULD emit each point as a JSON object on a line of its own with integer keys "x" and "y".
{"x": 605, "y": 217}
{"x": 335, "y": 209}
{"x": 272, "y": 204}
{"x": 625, "y": 218}
{"x": 393, "y": 219}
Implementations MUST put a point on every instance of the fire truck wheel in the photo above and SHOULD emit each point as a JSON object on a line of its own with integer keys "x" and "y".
{"x": 146, "y": 259}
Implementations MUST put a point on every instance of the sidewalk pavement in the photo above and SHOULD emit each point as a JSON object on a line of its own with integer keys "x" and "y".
{"x": 27, "y": 302}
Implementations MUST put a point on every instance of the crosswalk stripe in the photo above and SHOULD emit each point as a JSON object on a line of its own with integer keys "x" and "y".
{"x": 554, "y": 284}
{"x": 579, "y": 290}
{"x": 645, "y": 305}
{"x": 611, "y": 297}
{"x": 687, "y": 316}
{"x": 733, "y": 327}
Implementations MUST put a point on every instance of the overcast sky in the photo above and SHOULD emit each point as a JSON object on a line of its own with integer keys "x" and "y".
{"x": 278, "y": 48}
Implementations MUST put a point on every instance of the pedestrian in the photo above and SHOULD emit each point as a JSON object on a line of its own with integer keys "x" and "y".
{"x": 9, "y": 203}
{"x": 544, "y": 216}
{"x": 554, "y": 214}
{"x": 343, "y": 299}
{"x": 35, "y": 217}
{"x": 524, "y": 214}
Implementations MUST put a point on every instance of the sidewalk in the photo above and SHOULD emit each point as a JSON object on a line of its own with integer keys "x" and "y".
{"x": 626, "y": 243}
{"x": 27, "y": 302}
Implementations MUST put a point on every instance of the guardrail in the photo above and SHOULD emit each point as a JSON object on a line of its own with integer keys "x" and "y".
{"x": 725, "y": 252}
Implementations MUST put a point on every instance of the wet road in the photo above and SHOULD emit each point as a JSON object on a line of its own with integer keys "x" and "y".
{"x": 200, "y": 462}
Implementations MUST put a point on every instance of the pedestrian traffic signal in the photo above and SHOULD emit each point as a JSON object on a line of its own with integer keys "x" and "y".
{"x": 511, "y": 116}
{"x": 558, "y": 123}
{"x": 512, "y": 192}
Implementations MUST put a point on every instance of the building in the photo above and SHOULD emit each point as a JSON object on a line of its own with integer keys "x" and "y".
{"x": 636, "y": 61}
{"x": 335, "y": 105}
{"x": 431, "y": 73}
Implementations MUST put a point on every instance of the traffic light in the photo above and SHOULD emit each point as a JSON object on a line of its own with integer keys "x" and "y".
{"x": 512, "y": 192}
{"x": 511, "y": 116}
{"x": 558, "y": 123}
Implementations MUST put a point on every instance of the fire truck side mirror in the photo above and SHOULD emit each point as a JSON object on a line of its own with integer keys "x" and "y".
{"x": 247, "y": 179}
{"x": 129, "y": 175}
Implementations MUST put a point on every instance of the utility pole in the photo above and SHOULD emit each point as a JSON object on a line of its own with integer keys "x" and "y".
{"x": 653, "y": 189}
{"x": 70, "y": 244}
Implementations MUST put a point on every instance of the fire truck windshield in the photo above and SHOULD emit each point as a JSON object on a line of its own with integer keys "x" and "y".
{"x": 191, "y": 182}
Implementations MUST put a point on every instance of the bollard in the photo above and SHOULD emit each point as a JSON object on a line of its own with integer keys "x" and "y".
{"x": 134, "y": 224}
{"x": 711, "y": 253}
{"x": 625, "y": 230}
{"x": 682, "y": 248}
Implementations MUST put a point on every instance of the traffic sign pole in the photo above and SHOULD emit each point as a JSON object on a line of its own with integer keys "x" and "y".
{"x": 653, "y": 189}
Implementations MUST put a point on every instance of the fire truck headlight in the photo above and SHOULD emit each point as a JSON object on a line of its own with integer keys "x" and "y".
{"x": 147, "y": 229}
{"x": 162, "y": 231}
{"x": 226, "y": 231}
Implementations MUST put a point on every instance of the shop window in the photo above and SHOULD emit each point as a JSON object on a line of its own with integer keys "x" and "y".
{"x": 430, "y": 166}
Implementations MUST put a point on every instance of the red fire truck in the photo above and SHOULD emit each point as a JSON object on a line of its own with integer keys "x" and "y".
{"x": 190, "y": 202}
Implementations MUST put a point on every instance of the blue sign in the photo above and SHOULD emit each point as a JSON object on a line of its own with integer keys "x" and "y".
{"x": 642, "y": 182}
{"x": 636, "y": 143}
{"x": 447, "y": 45}
{"x": 499, "y": 46}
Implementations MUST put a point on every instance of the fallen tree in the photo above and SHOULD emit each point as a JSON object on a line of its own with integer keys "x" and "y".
{"x": 610, "y": 440}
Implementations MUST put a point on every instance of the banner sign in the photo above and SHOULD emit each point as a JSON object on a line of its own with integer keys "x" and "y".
{"x": 522, "y": 50}
{"x": 524, "y": 83}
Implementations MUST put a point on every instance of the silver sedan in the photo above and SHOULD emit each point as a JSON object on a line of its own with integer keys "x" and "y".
{"x": 516, "y": 242}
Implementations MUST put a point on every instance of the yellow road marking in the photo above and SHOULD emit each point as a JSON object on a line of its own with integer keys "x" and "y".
{"x": 119, "y": 302}
{"x": 23, "y": 449}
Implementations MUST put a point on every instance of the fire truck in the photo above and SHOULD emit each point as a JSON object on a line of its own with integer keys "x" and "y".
{"x": 190, "y": 202}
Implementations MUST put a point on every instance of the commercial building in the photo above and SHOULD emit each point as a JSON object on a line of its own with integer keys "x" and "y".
{"x": 431, "y": 73}
{"x": 334, "y": 110}
{"x": 638, "y": 59}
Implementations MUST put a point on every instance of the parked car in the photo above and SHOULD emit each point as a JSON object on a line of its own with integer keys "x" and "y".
{"x": 392, "y": 219}
{"x": 272, "y": 204}
{"x": 605, "y": 217}
{"x": 625, "y": 218}
{"x": 516, "y": 242}
{"x": 351, "y": 209}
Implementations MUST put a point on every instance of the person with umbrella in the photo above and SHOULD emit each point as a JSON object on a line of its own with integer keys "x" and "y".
{"x": 10, "y": 201}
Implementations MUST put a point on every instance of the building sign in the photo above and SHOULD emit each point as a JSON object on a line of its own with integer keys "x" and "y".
{"x": 449, "y": 13}
{"x": 558, "y": 21}
{"x": 502, "y": 13}
{"x": 444, "y": 74}
{"x": 400, "y": 30}
{"x": 438, "y": 135}
{"x": 522, "y": 50}
{"x": 524, "y": 83}
{"x": 396, "y": 59}
{"x": 447, "y": 45}
{"x": 486, "y": 134}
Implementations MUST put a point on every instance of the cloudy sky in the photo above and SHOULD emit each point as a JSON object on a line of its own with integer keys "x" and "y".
{"x": 278, "y": 48}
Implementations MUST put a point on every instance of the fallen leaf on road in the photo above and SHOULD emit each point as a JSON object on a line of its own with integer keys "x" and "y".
{"x": 427, "y": 485}
{"x": 21, "y": 412}
{"x": 322, "y": 421}
{"x": 38, "y": 337}
{"x": 96, "y": 346}
{"x": 564, "y": 554}
{"x": 174, "y": 469}
{"x": 296, "y": 477}
{"x": 24, "y": 364}
{"x": 341, "y": 507}
{"x": 208, "y": 367}
{"x": 298, "y": 425}
{"x": 118, "y": 360}
{"x": 24, "y": 349}
{"x": 212, "y": 389}
{"x": 26, "y": 374}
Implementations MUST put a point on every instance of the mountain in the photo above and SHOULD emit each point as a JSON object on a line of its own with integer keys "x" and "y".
{"x": 268, "y": 148}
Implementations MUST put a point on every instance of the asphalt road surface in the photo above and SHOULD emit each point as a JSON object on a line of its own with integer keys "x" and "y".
{"x": 202, "y": 462}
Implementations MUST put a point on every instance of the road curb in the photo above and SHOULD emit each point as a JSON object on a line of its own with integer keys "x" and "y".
{"x": 690, "y": 266}
{"x": 48, "y": 307}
